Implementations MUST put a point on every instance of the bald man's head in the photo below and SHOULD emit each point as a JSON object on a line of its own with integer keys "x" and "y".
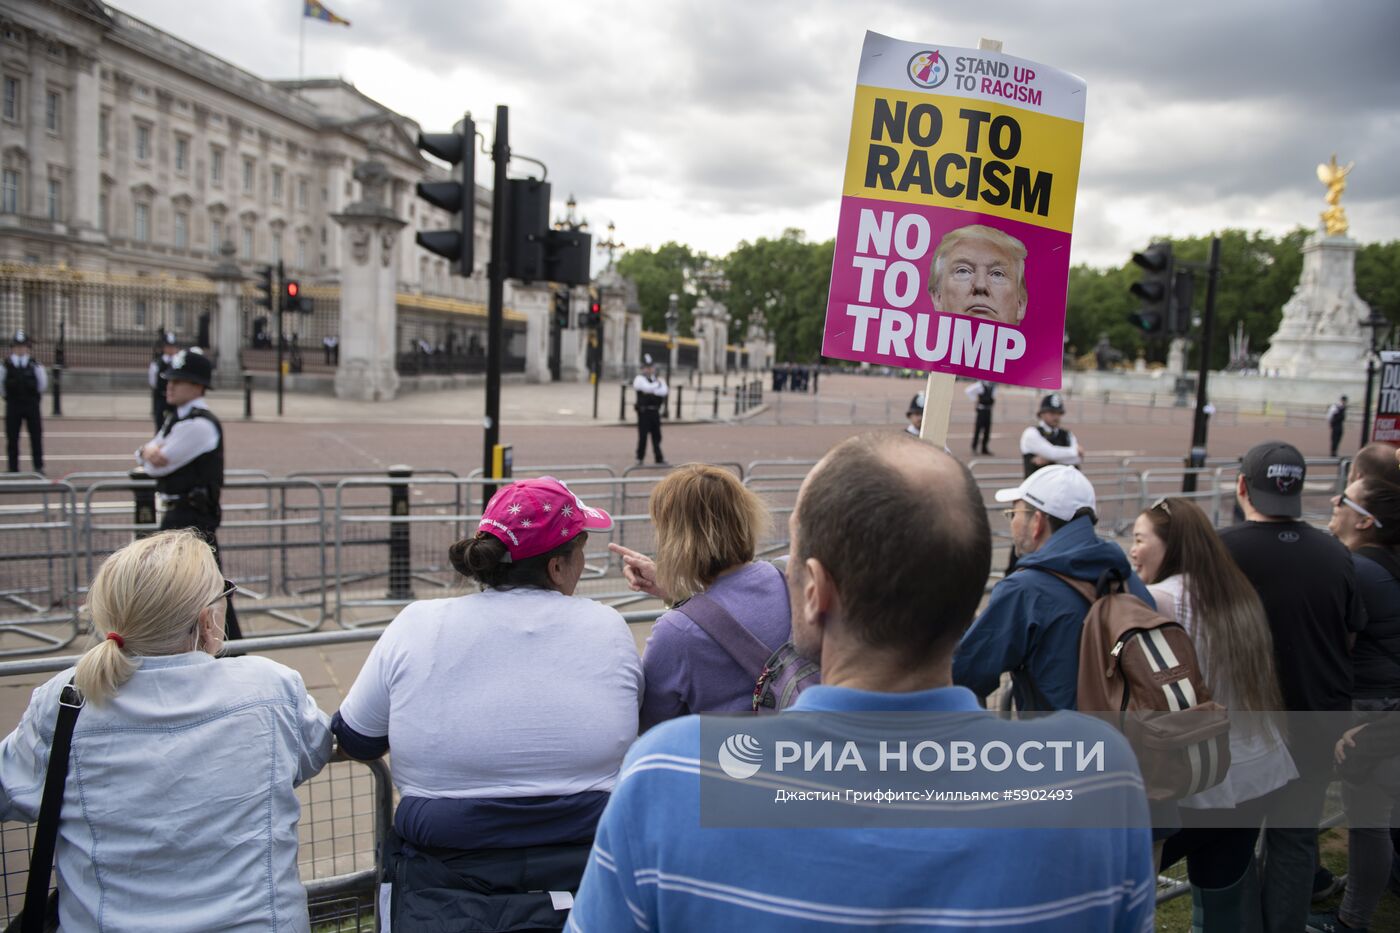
{"x": 900, "y": 527}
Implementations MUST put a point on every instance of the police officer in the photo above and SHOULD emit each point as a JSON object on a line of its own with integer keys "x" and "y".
{"x": 1046, "y": 442}
{"x": 983, "y": 395}
{"x": 25, "y": 383}
{"x": 186, "y": 457}
{"x": 650, "y": 390}
{"x": 915, "y": 414}
{"x": 156, "y": 375}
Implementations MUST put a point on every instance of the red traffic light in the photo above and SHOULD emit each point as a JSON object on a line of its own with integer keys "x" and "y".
{"x": 595, "y": 308}
{"x": 293, "y": 289}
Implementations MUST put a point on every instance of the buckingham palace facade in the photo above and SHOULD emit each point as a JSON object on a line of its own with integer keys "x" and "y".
{"x": 133, "y": 163}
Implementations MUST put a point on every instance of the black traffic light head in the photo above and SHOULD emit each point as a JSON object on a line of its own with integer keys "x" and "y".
{"x": 265, "y": 286}
{"x": 527, "y": 213}
{"x": 457, "y": 197}
{"x": 561, "y": 310}
{"x": 292, "y": 298}
{"x": 1179, "y": 314}
{"x": 567, "y": 254}
{"x": 1154, "y": 289}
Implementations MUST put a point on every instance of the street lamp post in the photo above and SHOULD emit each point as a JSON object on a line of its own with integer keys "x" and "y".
{"x": 1376, "y": 322}
{"x": 673, "y": 318}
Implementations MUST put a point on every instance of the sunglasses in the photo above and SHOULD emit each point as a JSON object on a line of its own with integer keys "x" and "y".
{"x": 1352, "y": 504}
{"x": 229, "y": 589}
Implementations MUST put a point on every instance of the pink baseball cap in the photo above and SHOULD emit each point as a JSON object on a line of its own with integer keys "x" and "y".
{"x": 534, "y": 516}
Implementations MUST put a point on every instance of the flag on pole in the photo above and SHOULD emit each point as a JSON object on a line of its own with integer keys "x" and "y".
{"x": 315, "y": 9}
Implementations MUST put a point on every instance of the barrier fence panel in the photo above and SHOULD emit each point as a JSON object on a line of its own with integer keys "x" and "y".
{"x": 38, "y": 572}
{"x": 272, "y": 539}
{"x": 346, "y": 811}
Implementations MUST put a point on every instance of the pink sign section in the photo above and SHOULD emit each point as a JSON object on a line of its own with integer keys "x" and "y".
{"x": 943, "y": 290}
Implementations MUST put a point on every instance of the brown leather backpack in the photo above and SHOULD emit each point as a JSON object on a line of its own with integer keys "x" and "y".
{"x": 1139, "y": 670}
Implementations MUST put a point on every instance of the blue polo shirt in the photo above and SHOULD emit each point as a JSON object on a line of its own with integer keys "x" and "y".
{"x": 654, "y": 867}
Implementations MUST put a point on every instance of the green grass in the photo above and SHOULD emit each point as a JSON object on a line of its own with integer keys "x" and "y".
{"x": 1175, "y": 915}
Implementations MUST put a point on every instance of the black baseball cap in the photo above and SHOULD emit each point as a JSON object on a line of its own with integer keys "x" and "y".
{"x": 1274, "y": 472}
{"x": 1053, "y": 402}
{"x": 192, "y": 366}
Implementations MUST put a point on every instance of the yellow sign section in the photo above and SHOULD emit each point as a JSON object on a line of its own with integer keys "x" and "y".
{"x": 964, "y": 154}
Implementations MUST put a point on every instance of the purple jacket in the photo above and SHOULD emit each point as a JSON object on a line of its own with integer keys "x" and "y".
{"x": 687, "y": 672}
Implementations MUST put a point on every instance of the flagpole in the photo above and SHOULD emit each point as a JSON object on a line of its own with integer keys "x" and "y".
{"x": 301, "y": 50}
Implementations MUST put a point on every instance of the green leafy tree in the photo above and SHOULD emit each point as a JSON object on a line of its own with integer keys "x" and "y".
{"x": 787, "y": 279}
{"x": 1378, "y": 278}
{"x": 670, "y": 269}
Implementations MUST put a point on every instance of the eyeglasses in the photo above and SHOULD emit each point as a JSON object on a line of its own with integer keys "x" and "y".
{"x": 1012, "y": 513}
{"x": 229, "y": 589}
{"x": 1164, "y": 505}
{"x": 1352, "y": 504}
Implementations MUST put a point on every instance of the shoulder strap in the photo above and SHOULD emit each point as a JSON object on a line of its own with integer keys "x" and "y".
{"x": 1083, "y": 587}
{"x": 36, "y": 889}
{"x": 738, "y": 642}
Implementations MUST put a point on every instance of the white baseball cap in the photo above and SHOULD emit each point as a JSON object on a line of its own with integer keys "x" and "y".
{"x": 1056, "y": 490}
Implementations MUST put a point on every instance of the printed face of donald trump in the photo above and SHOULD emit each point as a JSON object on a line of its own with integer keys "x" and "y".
{"x": 980, "y": 271}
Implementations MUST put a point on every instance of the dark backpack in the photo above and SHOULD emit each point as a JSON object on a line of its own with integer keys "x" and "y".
{"x": 1142, "y": 667}
{"x": 779, "y": 675}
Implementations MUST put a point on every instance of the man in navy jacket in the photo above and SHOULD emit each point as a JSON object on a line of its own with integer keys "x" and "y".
{"x": 1032, "y": 623}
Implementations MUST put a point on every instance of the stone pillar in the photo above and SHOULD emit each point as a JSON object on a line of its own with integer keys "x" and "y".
{"x": 721, "y": 327}
{"x": 227, "y": 326}
{"x": 612, "y": 293}
{"x": 368, "y": 313}
{"x": 1176, "y": 356}
{"x": 35, "y": 193}
{"x": 85, "y": 158}
{"x": 536, "y": 302}
{"x": 702, "y": 327}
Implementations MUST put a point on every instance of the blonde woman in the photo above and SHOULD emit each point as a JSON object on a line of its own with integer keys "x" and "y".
{"x": 179, "y": 810}
{"x": 708, "y": 526}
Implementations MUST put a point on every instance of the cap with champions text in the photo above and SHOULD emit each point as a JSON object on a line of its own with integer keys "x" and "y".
{"x": 1274, "y": 472}
{"x": 1056, "y": 490}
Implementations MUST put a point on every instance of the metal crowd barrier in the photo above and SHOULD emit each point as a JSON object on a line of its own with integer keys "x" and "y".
{"x": 38, "y": 570}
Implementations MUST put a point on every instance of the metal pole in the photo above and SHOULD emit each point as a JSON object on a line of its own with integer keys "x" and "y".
{"x": 59, "y": 358}
{"x": 277, "y": 312}
{"x": 1197, "y": 458}
{"x": 247, "y": 395}
{"x": 1366, "y": 411}
{"x": 622, "y": 404}
{"x": 495, "y": 274}
{"x": 400, "y": 559}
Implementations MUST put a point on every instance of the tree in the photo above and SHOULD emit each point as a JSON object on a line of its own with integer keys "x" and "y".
{"x": 1378, "y": 278}
{"x": 787, "y": 279}
{"x": 670, "y": 269}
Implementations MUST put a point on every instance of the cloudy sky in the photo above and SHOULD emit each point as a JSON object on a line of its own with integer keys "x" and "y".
{"x": 711, "y": 123}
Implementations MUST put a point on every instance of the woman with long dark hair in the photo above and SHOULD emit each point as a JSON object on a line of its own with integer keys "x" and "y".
{"x": 1194, "y": 579}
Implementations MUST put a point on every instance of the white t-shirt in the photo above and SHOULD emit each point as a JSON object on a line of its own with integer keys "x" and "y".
{"x": 505, "y": 693}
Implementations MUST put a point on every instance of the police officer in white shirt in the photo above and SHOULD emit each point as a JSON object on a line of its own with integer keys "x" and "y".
{"x": 651, "y": 390}
{"x": 186, "y": 457}
{"x": 24, "y": 387}
{"x": 1046, "y": 442}
{"x": 156, "y": 374}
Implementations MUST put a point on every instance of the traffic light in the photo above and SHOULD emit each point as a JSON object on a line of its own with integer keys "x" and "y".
{"x": 1179, "y": 314}
{"x": 527, "y": 223}
{"x": 293, "y": 299}
{"x": 595, "y": 312}
{"x": 265, "y": 288}
{"x": 567, "y": 255}
{"x": 1154, "y": 289}
{"x": 561, "y": 310}
{"x": 456, "y": 197}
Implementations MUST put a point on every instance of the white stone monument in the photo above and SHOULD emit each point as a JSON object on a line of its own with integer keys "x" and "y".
{"x": 1321, "y": 334}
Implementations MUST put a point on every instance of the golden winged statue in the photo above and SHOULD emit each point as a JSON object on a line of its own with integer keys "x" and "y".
{"x": 1334, "y": 176}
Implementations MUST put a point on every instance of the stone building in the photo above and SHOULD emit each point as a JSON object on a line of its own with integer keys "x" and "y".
{"x": 128, "y": 158}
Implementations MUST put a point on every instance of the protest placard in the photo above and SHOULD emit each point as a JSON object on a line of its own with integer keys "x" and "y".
{"x": 952, "y": 247}
{"x": 1387, "y": 428}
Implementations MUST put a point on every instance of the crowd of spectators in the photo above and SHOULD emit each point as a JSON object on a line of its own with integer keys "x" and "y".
{"x": 549, "y": 774}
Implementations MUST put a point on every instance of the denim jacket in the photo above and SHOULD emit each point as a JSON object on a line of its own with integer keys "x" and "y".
{"x": 179, "y": 811}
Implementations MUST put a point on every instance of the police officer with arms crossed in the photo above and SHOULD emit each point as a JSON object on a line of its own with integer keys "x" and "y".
{"x": 156, "y": 375}
{"x": 650, "y": 389}
{"x": 25, "y": 383}
{"x": 186, "y": 457}
{"x": 1045, "y": 442}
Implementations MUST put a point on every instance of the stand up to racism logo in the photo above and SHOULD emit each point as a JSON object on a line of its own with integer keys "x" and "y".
{"x": 928, "y": 69}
